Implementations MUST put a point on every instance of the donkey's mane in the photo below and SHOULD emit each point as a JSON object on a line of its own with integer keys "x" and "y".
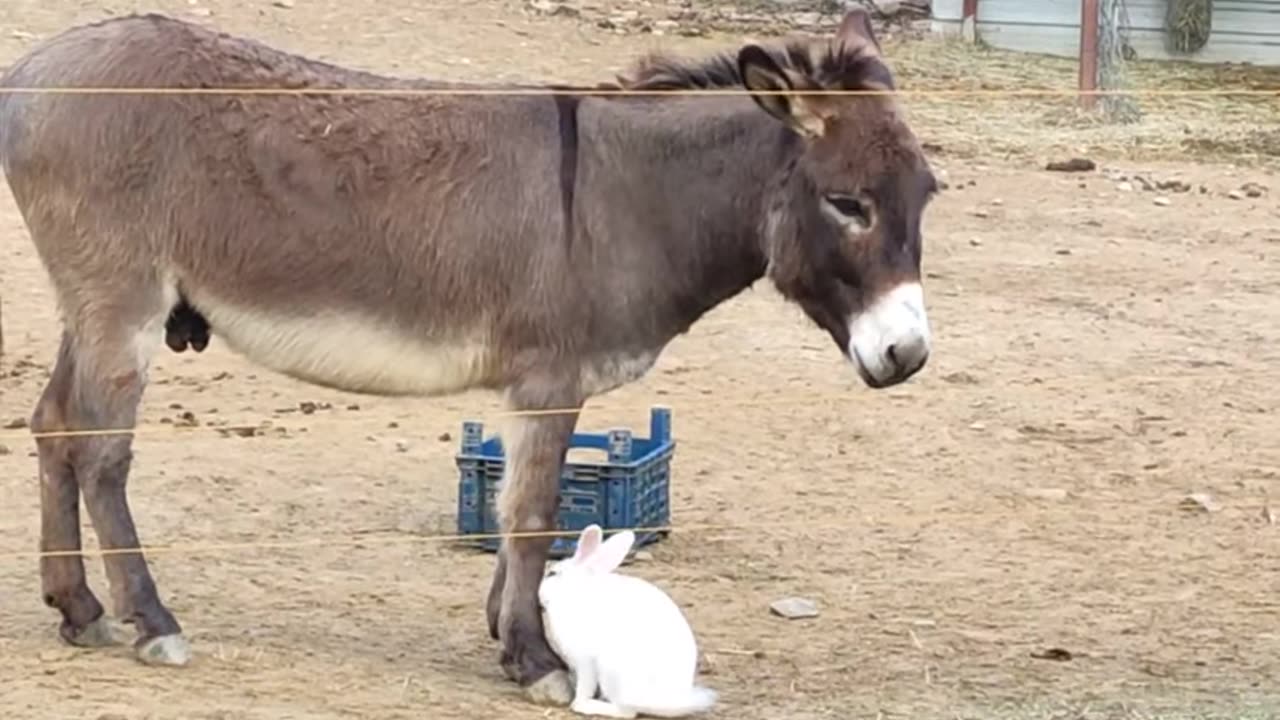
{"x": 833, "y": 65}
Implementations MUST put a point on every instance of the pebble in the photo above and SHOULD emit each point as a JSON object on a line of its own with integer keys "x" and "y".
{"x": 1046, "y": 493}
{"x": 1235, "y": 195}
{"x": 1162, "y": 201}
{"x": 1200, "y": 501}
{"x": 1125, "y": 187}
{"x": 794, "y": 608}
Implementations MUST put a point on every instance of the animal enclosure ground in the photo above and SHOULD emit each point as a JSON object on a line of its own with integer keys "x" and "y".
{"x": 1098, "y": 357}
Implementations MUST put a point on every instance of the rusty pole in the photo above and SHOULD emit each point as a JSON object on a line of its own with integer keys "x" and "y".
{"x": 1088, "y": 53}
{"x": 969, "y": 20}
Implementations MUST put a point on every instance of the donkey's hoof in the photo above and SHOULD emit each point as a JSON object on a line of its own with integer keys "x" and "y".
{"x": 103, "y": 632}
{"x": 165, "y": 650}
{"x": 553, "y": 688}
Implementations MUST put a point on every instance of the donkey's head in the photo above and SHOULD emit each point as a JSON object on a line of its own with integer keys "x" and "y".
{"x": 843, "y": 212}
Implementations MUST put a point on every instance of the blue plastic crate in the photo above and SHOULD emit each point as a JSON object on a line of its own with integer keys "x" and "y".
{"x": 630, "y": 488}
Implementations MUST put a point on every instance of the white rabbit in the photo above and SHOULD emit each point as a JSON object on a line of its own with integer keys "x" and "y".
{"x": 620, "y": 632}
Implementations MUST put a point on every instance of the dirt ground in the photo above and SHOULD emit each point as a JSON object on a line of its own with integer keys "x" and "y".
{"x": 1099, "y": 356}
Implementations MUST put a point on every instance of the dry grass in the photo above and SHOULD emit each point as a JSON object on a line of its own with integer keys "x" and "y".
{"x": 1237, "y": 129}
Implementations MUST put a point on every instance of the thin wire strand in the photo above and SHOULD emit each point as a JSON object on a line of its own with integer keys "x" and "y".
{"x": 485, "y": 91}
{"x": 357, "y": 539}
{"x": 354, "y": 540}
{"x": 169, "y": 429}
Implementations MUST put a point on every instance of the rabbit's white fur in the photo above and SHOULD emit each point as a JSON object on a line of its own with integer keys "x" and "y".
{"x": 620, "y": 634}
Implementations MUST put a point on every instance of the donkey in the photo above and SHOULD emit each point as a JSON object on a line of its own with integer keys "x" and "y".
{"x": 546, "y": 246}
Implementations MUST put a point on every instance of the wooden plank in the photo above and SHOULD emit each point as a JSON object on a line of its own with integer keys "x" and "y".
{"x": 1149, "y": 44}
{"x": 1237, "y": 15}
{"x": 1243, "y": 30}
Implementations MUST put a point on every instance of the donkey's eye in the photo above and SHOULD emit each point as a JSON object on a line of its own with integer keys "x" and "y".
{"x": 848, "y": 210}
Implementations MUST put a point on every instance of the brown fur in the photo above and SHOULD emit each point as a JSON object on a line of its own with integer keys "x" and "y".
{"x": 546, "y": 247}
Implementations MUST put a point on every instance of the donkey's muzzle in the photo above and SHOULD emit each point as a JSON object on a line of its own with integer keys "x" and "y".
{"x": 890, "y": 340}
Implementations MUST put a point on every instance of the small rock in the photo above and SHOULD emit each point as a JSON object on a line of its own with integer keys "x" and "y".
{"x": 1162, "y": 201}
{"x": 16, "y": 424}
{"x": 1268, "y": 514}
{"x": 981, "y": 213}
{"x": 23, "y": 35}
{"x": 1253, "y": 190}
{"x": 1072, "y": 165}
{"x": 444, "y": 437}
{"x": 1202, "y": 502}
{"x": 979, "y": 426}
{"x": 1056, "y": 494}
{"x": 976, "y": 242}
{"x": 353, "y": 407}
{"x": 1236, "y": 195}
{"x": 794, "y": 608}
{"x": 1125, "y": 186}
{"x": 242, "y": 431}
{"x": 889, "y": 8}
{"x": 307, "y": 407}
{"x": 1055, "y": 654}
{"x": 402, "y": 446}
{"x": 642, "y": 556}
{"x": 285, "y": 4}
{"x": 4, "y": 450}
{"x": 1063, "y": 251}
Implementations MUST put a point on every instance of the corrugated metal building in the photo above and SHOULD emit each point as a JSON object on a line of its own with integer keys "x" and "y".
{"x": 1244, "y": 31}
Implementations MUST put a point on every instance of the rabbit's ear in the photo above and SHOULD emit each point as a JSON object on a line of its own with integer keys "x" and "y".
{"x": 588, "y": 544}
{"x": 612, "y": 552}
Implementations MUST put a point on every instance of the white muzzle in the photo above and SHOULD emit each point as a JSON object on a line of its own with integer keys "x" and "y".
{"x": 889, "y": 341}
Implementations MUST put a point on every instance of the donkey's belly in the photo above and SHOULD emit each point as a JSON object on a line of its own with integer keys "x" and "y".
{"x": 348, "y": 352}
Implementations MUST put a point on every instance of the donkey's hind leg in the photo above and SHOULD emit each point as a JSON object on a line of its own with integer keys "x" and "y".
{"x": 62, "y": 577}
{"x": 112, "y": 346}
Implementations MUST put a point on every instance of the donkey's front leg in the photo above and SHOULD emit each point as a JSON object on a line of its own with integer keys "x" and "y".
{"x": 535, "y": 447}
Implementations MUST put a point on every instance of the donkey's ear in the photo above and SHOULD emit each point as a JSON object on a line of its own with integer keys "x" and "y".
{"x": 765, "y": 80}
{"x": 588, "y": 544}
{"x": 856, "y": 34}
{"x": 613, "y": 552}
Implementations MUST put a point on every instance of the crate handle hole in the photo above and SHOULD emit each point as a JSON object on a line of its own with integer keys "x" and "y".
{"x": 587, "y": 454}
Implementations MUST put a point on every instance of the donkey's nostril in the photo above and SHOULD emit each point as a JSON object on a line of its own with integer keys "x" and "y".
{"x": 908, "y": 355}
